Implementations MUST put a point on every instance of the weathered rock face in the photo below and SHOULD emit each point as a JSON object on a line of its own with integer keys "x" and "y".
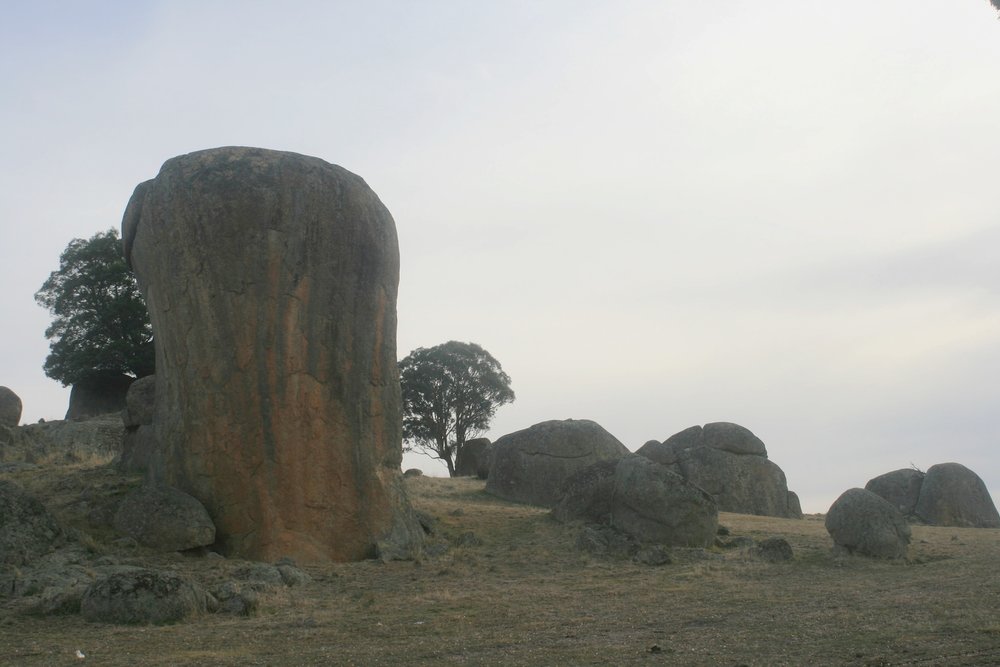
{"x": 641, "y": 499}
{"x": 27, "y": 529}
{"x": 95, "y": 439}
{"x": 139, "y": 449}
{"x": 901, "y": 488}
{"x": 142, "y": 596}
{"x": 469, "y": 459}
{"x": 165, "y": 519}
{"x": 656, "y": 505}
{"x": 271, "y": 284}
{"x": 860, "y": 521}
{"x": 10, "y": 407}
{"x": 731, "y": 463}
{"x": 953, "y": 495}
{"x": 98, "y": 396}
{"x": 140, "y": 402}
{"x": 531, "y": 465}
{"x": 485, "y": 462}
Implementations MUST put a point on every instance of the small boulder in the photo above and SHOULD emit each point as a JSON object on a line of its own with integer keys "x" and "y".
{"x": 469, "y": 458}
{"x": 953, "y": 495}
{"x": 10, "y": 407}
{"x": 531, "y": 465}
{"x": 733, "y": 438}
{"x": 413, "y": 472}
{"x": 901, "y": 488}
{"x": 140, "y": 400}
{"x": 863, "y": 522}
{"x": 141, "y": 596}
{"x": 773, "y": 550}
{"x": 27, "y": 529}
{"x": 163, "y": 518}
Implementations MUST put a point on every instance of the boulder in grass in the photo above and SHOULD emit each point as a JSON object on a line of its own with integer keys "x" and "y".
{"x": 862, "y": 522}
{"x": 138, "y": 596}
{"x": 953, "y": 495}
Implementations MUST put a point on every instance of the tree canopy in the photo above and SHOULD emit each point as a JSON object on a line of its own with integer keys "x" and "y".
{"x": 450, "y": 394}
{"x": 100, "y": 325}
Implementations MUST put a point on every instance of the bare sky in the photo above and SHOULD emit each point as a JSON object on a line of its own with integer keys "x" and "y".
{"x": 655, "y": 214}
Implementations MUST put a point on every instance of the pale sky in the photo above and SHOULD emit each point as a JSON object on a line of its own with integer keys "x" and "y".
{"x": 655, "y": 214}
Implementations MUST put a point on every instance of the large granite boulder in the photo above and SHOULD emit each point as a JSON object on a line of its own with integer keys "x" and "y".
{"x": 531, "y": 465}
{"x": 271, "y": 283}
{"x": 901, "y": 488}
{"x": 953, "y": 495}
{"x": 99, "y": 395}
{"x": 862, "y": 522}
{"x": 10, "y": 407}
{"x": 731, "y": 463}
{"x": 165, "y": 519}
{"x": 27, "y": 529}
{"x": 470, "y": 457}
{"x": 641, "y": 499}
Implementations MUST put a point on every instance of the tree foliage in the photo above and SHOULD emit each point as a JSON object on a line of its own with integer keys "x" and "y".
{"x": 450, "y": 393}
{"x": 100, "y": 324}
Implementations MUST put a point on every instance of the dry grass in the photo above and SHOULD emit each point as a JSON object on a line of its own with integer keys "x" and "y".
{"x": 524, "y": 596}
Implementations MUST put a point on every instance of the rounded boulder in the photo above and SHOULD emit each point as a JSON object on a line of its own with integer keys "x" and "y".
{"x": 531, "y": 465}
{"x": 10, "y": 407}
{"x": 953, "y": 495}
{"x": 863, "y": 522}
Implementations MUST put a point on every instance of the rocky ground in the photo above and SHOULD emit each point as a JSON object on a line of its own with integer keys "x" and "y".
{"x": 505, "y": 584}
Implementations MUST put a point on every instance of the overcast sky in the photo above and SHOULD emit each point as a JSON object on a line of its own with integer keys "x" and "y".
{"x": 781, "y": 213}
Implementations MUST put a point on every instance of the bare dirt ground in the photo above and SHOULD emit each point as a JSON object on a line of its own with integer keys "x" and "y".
{"x": 525, "y": 596}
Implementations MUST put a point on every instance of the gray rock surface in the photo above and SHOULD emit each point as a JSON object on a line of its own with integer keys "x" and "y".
{"x": 98, "y": 396}
{"x": 656, "y": 505}
{"x": 531, "y": 465}
{"x": 165, "y": 519}
{"x": 140, "y": 401}
{"x": 141, "y": 597}
{"x": 277, "y": 389}
{"x": 901, "y": 488}
{"x": 90, "y": 440}
{"x": 485, "y": 462}
{"x": 953, "y": 495}
{"x": 731, "y": 463}
{"x": 863, "y": 522}
{"x": 27, "y": 530}
{"x": 10, "y": 407}
{"x": 588, "y": 494}
{"x": 469, "y": 458}
{"x": 140, "y": 450}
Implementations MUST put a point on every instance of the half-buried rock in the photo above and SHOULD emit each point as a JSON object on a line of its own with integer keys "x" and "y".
{"x": 271, "y": 284}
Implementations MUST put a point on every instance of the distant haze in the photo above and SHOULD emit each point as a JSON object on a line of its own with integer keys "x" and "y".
{"x": 654, "y": 214}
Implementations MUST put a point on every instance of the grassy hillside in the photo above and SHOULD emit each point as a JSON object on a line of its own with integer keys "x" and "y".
{"x": 516, "y": 592}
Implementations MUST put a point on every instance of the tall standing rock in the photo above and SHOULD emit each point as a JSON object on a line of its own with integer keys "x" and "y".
{"x": 271, "y": 282}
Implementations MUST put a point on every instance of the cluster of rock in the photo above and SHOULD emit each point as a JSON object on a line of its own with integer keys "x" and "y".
{"x": 874, "y": 521}
{"x": 667, "y": 493}
{"x": 47, "y": 569}
{"x": 948, "y": 494}
{"x": 731, "y": 463}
